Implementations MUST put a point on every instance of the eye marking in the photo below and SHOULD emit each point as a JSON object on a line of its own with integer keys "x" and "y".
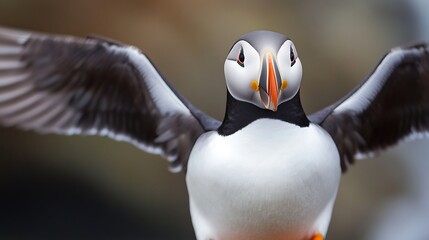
{"x": 292, "y": 56}
{"x": 240, "y": 58}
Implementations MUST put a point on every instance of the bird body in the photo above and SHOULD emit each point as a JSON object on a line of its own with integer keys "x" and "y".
{"x": 267, "y": 171}
{"x": 257, "y": 182}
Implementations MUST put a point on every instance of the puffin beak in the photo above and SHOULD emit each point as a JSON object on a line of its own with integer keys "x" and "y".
{"x": 270, "y": 82}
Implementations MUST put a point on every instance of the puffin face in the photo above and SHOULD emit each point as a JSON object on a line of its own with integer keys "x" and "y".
{"x": 263, "y": 68}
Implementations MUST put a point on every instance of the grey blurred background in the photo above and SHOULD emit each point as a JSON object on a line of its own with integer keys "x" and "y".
{"x": 55, "y": 187}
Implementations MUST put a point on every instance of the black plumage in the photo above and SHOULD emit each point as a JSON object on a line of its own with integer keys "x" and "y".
{"x": 239, "y": 114}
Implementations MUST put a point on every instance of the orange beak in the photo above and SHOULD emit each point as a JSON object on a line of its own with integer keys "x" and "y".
{"x": 269, "y": 82}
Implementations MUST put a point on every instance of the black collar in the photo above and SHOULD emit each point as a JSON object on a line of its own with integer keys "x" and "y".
{"x": 239, "y": 114}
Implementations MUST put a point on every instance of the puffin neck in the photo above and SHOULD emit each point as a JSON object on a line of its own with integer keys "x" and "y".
{"x": 239, "y": 114}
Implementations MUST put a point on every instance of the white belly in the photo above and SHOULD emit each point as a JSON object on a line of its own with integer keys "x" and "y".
{"x": 270, "y": 178}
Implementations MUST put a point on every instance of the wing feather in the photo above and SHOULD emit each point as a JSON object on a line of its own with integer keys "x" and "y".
{"x": 67, "y": 85}
{"x": 392, "y": 105}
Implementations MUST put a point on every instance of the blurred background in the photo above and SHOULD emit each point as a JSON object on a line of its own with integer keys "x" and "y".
{"x": 55, "y": 187}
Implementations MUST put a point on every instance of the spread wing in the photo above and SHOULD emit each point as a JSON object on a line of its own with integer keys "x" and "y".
{"x": 392, "y": 105}
{"x": 67, "y": 85}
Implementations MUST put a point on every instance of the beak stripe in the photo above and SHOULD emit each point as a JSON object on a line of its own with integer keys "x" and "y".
{"x": 273, "y": 89}
{"x": 264, "y": 77}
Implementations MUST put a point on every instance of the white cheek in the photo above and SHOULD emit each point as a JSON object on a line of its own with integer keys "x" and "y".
{"x": 239, "y": 79}
{"x": 292, "y": 74}
{"x": 293, "y": 77}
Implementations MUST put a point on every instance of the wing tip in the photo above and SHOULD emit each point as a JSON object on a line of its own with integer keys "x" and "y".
{"x": 412, "y": 46}
{"x": 13, "y": 36}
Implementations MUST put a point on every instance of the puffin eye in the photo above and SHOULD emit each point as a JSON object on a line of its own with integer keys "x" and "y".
{"x": 292, "y": 57}
{"x": 240, "y": 58}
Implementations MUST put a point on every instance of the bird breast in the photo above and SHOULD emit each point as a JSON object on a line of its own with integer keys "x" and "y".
{"x": 269, "y": 176}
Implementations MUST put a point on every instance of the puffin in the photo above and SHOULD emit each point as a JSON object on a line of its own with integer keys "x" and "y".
{"x": 268, "y": 170}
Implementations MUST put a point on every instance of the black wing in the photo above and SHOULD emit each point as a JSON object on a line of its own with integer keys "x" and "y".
{"x": 390, "y": 106}
{"x": 67, "y": 85}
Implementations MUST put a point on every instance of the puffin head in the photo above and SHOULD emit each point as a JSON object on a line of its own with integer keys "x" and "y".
{"x": 263, "y": 69}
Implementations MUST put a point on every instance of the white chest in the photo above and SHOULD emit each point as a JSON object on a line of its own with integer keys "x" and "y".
{"x": 269, "y": 176}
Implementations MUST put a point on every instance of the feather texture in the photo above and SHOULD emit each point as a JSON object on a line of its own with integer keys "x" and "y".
{"x": 67, "y": 85}
{"x": 390, "y": 106}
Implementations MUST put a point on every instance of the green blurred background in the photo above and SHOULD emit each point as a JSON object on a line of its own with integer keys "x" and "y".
{"x": 55, "y": 187}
